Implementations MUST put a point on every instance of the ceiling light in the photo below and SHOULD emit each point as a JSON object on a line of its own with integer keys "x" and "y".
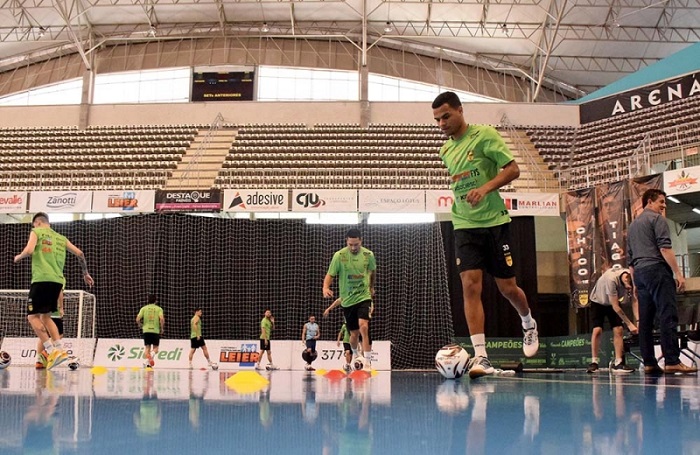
{"x": 696, "y": 210}
{"x": 673, "y": 199}
{"x": 264, "y": 28}
{"x": 388, "y": 28}
{"x": 152, "y": 32}
{"x": 504, "y": 29}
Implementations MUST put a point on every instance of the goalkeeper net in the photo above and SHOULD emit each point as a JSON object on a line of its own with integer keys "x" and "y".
{"x": 78, "y": 314}
{"x": 235, "y": 269}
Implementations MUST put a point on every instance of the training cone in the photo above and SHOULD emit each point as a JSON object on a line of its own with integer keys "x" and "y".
{"x": 98, "y": 370}
{"x": 245, "y": 382}
{"x": 359, "y": 375}
{"x": 334, "y": 375}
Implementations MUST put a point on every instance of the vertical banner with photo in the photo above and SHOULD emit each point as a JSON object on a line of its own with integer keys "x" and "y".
{"x": 580, "y": 230}
{"x": 637, "y": 187}
{"x": 612, "y": 224}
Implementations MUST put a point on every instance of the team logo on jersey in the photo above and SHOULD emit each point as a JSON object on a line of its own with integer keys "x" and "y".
{"x": 509, "y": 259}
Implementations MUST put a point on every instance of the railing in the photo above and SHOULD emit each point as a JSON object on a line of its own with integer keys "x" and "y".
{"x": 194, "y": 164}
{"x": 539, "y": 180}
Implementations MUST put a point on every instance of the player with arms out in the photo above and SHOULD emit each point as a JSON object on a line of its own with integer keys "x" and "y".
{"x": 479, "y": 163}
{"x": 266, "y": 325}
{"x": 153, "y": 324}
{"x": 47, "y": 248}
{"x": 196, "y": 340}
{"x": 355, "y": 267}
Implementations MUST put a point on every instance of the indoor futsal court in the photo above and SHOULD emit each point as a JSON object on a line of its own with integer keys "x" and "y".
{"x": 416, "y": 412}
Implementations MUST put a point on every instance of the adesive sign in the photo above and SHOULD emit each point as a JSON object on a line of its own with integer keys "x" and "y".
{"x": 259, "y": 200}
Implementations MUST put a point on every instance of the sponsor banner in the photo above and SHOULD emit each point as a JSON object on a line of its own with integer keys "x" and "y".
{"x": 438, "y": 201}
{"x": 387, "y": 201}
{"x": 188, "y": 200}
{"x": 243, "y": 200}
{"x": 229, "y": 354}
{"x": 23, "y": 350}
{"x": 60, "y": 201}
{"x": 307, "y": 200}
{"x": 612, "y": 222}
{"x": 532, "y": 204}
{"x": 13, "y": 202}
{"x": 637, "y": 187}
{"x": 330, "y": 356}
{"x": 680, "y": 181}
{"x": 123, "y": 201}
{"x": 580, "y": 229}
{"x": 641, "y": 98}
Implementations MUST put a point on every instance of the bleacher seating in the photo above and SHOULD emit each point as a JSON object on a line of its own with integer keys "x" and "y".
{"x": 98, "y": 157}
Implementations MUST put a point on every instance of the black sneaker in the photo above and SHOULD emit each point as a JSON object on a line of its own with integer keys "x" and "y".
{"x": 592, "y": 368}
{"x": 621, "y": 368}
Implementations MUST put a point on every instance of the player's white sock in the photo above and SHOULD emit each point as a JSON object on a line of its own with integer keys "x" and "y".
{"x": 48, "y": 345}
{"x": 479, "y": 342}
{"x": 368, "y": 356}
{"x": 528, "y": 322}
{"x": 595, "y": 359}
{"x": 58, "y": 345}
{"x": 618, "y": 360}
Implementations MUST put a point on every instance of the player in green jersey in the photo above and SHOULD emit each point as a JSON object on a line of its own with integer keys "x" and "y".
{"x": 266, "y": 325}
{"x": 196, "y": 339}
{"x": 47, "y": 248}
{"x": 355, "y": 268}
{"x": 152, "y": 322}
{"x": 479, "y": 163}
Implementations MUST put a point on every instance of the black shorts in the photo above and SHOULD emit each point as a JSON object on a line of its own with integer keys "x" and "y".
{"x": 150, "y": 338}
{"x": 600, "y": 312}
{"x": 59, "y": 325}
{"x": 43, "y": 297}
{"x": 354, "y": 313}
{"x": 485, "y": 249}
{"x": 347, "y": 347}
{"x": 311, "y": 344}
{"x": 264, "y": 345}
{"x": 197, "y": 342}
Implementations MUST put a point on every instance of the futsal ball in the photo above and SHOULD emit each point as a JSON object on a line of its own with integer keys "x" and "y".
{"x": 452, "y": 361}
{"x": 5, "y": 360}
{"x": 74, "y": 364}
{"x": 214, "y": 366}
{"x": 359, "y": 363}
{"x": 309, "y": 356}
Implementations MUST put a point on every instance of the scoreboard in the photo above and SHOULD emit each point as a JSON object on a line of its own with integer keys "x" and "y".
{"x": 222, "y": 85}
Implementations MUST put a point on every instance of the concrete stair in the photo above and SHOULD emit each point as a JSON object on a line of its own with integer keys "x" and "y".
{"x": 200, "y": 166}
{"x": 534, "y": 174}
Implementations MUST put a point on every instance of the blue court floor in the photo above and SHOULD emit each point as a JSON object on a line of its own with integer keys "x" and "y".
{"x": 196, "y": 412}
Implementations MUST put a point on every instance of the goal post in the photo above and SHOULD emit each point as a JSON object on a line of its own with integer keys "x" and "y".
{"x": 78, "y": 314}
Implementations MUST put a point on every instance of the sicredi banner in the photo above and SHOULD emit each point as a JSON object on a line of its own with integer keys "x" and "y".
{"x": 230, "y": 354}
{"x": 23, "y": 350}
{"x": 60, "y": 201}
{"x": 388, "y": 201}
{"x": 123, "y": 201}
{"x": 314, "y": 200}
{"x": 679, "y": 181}
{"x": 13, "y": 202}
{"x": 257, "y": 200}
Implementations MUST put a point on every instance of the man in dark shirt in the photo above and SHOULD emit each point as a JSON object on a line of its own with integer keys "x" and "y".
{"x": 653, "y": 265}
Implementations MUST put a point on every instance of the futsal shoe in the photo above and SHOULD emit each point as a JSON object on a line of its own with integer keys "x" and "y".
{"x": 592, "y": 368}
{"x": 57, "y": 357}
{"x": 480, "y": 366}
{"x": 531, "y": 341}
{"x": 680, "y": 368}
{"x": 621, "y": 368}
{"x": 271, "y": 367}
{"x": 653, "y": 370}
{"x": 41, "y": 360}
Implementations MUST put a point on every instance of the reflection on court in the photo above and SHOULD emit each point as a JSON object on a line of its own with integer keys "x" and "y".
{"x": 195, "y": 411}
